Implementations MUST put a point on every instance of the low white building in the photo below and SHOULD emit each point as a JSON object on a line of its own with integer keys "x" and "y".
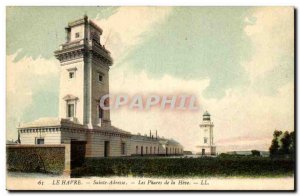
{"x": 154, "y": 145}
{"x": 84, "y": 79}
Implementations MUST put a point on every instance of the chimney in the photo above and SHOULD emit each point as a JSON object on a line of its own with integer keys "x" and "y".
{"x": 156, "y": 134}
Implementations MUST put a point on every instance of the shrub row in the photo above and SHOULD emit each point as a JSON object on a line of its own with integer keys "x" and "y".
{"x": 181, "y": 167}
{"x": 36, "y": 159}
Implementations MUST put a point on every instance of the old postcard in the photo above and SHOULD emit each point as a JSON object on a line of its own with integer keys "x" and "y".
{"x": 150, "y": 98}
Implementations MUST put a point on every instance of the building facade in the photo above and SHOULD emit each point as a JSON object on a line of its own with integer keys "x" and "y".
{"x": 206, "y": 142}
{"x": 154, "y": 145}
{"x": 84, "y": 79}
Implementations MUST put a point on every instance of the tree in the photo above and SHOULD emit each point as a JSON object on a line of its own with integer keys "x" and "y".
{"x": 292, "y": 145}
{"x": 255, "y": 153}
{"x": 274, "y": 148}
{"x": 285, "y": 144}
{"x": 277, "y": 133}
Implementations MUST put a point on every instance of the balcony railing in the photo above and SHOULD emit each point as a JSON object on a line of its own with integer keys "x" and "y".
{"x": 72, "y": 44}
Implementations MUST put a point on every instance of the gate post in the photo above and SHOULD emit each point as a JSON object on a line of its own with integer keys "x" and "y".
{"x": 67, "y": 170}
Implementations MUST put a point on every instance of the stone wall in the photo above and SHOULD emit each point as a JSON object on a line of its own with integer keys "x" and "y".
{"x": 36, "y": 158}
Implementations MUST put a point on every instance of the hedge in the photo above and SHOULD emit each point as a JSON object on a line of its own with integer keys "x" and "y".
{"x": 184, "y": 167}
{"x": 35, "y": 159}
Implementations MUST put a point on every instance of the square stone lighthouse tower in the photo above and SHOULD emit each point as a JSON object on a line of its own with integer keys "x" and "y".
{"x": 207, "y": 146}
{"x": 84, "y": 77}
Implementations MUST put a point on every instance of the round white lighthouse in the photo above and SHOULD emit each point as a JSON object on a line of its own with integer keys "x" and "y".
{"x": 206, "y": 140}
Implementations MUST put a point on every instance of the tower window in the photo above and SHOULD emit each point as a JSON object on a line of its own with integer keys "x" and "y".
{"x": 205, "y": 140}
{"x": 70, "y": 110}
{"x": 77, "y": 35}
{"x": 71, "y": 74}
{"x": 100, "y": 77}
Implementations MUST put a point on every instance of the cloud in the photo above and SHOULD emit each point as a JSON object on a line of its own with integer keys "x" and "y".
{"x": 252, "y": 115}
{"x": 272, "y": 37}
{"x": 246, "y": 114}
{"x": 197, "y": 43}
{"x": 126, "y": 27}
{"x": 25, "y": 78}
{"x": 25, "y": 68}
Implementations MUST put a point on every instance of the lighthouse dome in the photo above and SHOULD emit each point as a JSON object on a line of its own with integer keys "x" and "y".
{"x": 206, "y": 116}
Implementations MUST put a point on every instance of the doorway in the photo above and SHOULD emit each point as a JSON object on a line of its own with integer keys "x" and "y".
{"x": 106, "y": 149}
{"x": 78, "y": 149}
{"x": 142, "y": 150}
{"x": 203, "y": 151}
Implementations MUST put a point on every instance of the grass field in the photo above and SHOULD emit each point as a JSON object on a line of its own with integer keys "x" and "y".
{"x": 186, "y": 167}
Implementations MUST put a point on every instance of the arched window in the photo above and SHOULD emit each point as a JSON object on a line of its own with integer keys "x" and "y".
{"x": 137, "y": 150}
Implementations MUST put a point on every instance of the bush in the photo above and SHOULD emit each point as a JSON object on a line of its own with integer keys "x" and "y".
{"x": 35, "y": 159}
{"x": 185, "y": 167}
